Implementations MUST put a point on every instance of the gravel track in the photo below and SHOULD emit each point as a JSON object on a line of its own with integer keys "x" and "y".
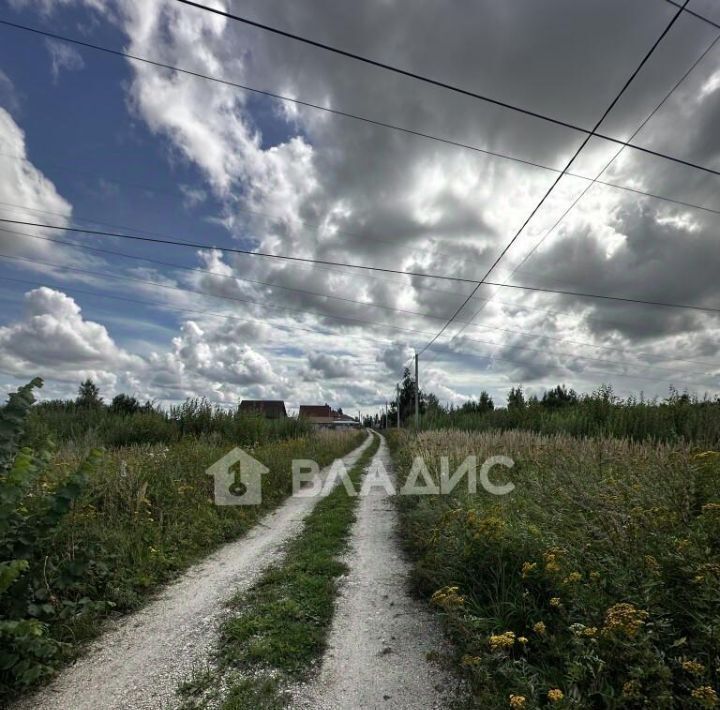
{"x": 140, "y": 660}
{"x": 377, "y": 655}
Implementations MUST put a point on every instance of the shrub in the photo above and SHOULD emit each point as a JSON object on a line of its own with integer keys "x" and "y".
{"x": 29, "y": 515}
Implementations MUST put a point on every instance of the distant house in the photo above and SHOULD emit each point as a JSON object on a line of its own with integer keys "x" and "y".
{"x": 323, "y": 416}
{"x": 316, "y": 410}
{"x": 269, "y": 408}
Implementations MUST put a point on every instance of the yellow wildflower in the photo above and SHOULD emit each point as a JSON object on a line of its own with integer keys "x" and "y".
{"x": 624, "y": 618}
{"x": 705, "y": 696}
{"x": 555, "y": 695}
{"x": 448, "y": 598}
{"x": 581, "y": 630}
{"x": 471, "y": 660}
{"x": 522, "y": 640}
{"x": 693, "y": 667}
{"x": 517, "y": 701}
{"x": 527, "y": 568}
{"x": 540, "y": 628}
{"x": 502, "y": 641}
{"x": 594, "y": 575}
{"x": 551, "y": 562}
{"x": 572, "y": 578}
{"x": 555, "y": 601}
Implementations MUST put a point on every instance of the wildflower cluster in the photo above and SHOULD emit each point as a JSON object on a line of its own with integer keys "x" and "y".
{"x": 555, "y": 695}
{"x": 705, "y": 696}
{"x": 552, "y": 563}
{"x": 528, "y": 568}
{"x": 448, "y": 598}
{"x": 693, "y": 667}
{"x": 625, "y": 619}
{"x": 502, "y": 641}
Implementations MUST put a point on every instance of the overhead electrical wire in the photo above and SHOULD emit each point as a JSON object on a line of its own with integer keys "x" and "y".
{"x": 233, "y": 277}
{"x": 444, "y": 85}
{"x": 607, "y": 165}
{"x": 563, "y": 292}
{"x": 155, "y": 284}
{"x": 235, "y": 250}
{"x": 692, "y": 12}
{"x": 357, "y": 117}
{"x": 509, "y": 304}
{"x": 579, "y": 150}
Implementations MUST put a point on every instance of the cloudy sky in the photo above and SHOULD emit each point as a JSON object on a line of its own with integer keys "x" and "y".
{"x": 101, "y": 142}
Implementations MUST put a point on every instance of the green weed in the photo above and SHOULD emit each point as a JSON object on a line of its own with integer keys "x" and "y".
{"x": 594, "y": 584}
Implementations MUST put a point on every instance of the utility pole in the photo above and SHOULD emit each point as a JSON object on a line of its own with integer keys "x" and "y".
{"x": 417, "y": 396}
{"x": 386, "y": 415}
{"x": 397, "y": 404}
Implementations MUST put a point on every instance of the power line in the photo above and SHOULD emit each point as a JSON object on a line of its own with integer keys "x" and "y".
{"x": 441, "y": 84}
{"x": 80, "y": 221}
{"x": 215, "y": 274}
{"x": 203, "y": 312}
{"x": 262, "y": 304}
{"x": 235, "y": 250}
{"x": 695, "y": 14}
{"x": 585, "y": 141}
{"x": 580, "y": 294}
{"x": 357, "y": 117}
{"x": 574, "y": 203}
{"x": 419, "y": 314}
{"x": 509, "y": 304}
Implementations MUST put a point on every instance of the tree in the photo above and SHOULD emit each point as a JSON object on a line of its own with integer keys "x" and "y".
{"x": 124, "y": 404}
{"x": 559, "y": 397}
{"x": 516, "y": 398}
{"x": 483, "y": 404}
{"x": 89, "y": 395}
{"x": 407, "y": 400}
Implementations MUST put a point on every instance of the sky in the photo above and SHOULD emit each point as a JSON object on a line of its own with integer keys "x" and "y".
{"x": 100, "y": 142}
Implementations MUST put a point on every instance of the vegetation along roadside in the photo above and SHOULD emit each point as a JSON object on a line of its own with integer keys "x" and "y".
{"x": 594, "y": 584}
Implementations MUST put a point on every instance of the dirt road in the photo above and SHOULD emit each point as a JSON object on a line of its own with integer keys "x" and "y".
{"x": 139, "y": 662}
{"x": 377, "y": 657}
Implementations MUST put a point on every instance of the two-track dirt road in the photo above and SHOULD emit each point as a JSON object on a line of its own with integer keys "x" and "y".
{"x": 378, "y": 648}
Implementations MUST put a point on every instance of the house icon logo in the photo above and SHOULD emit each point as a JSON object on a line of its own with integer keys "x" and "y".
{"x": 238, "y": 479}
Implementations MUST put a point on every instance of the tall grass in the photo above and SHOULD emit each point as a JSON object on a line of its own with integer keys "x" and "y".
{"x": 594, "y": 584}
{"x": 677, "y": 418}
{"x": 65, "y": 421}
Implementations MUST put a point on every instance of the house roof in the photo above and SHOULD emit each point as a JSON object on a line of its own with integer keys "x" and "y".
{"x": 268, "y": 407}
{"x": 316, "y": 410}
